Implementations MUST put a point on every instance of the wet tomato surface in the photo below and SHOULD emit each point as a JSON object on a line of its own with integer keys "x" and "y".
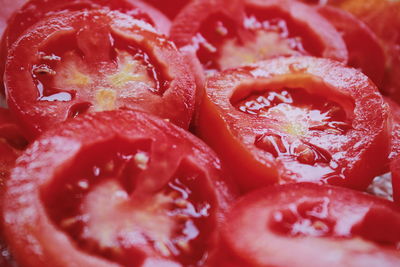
{"x": 34, "y": 11}
{"x": 92, "y": 61}
{"x": 117, "y": 188}
{"x": 291, "y": 120}
{"x": 341, "y": 226}
{"x": 254, "y": 31}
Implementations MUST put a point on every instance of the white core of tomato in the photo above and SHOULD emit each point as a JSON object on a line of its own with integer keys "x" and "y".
{"x": 263, "y": 45}
{"x": 143, "y": 222}
{"x": 105, "y": 84}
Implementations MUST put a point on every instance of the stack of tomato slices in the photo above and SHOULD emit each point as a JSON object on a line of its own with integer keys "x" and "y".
{"x": 200, "y": 133}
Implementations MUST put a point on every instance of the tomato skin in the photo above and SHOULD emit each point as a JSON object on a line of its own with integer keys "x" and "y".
{"x": 350, "y": 228}
{"x": 33, "y": 236}
{"x": 233, "y": 133}
{"x": 365, "y": 50}
{"x": 175, "y": 102}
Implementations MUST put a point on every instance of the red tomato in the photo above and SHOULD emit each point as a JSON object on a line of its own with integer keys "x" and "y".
{"x": 116, "y": 188}
{"x": 310, "y": 225}
{"x": 35, "y": 10}
{"x": 261, "y": 29}
{"x": 296, "y": 119}
{"x": 91, "y": 61}
{"x": 365, "y": 50}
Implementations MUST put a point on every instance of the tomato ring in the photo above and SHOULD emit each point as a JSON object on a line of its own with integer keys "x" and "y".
{"x": 35, "y": 10}
{"x": 163, "y": 173}
{"x": 68, "y": 70}
{"x": 296, "y": 119}
{"x": 259, "y": 30}
{"x": 341, "y": 226}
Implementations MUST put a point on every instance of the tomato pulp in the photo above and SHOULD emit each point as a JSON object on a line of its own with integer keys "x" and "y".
{"x": 117, "y": 188}
{"x": 341, "y": 226}
{"x": 296, "y": 119}
{"x": 91, "y": 61}
{"x": 254, "y": 31}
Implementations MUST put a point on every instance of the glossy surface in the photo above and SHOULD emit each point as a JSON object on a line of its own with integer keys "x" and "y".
{"x": 125, "y": 64}
{"x": 291, "y": 120}
{"x": 342, "y": 226}
{"x": 35, "y": 10}
{"x": 124, "y": 207}
{"x": 259, "y": 30}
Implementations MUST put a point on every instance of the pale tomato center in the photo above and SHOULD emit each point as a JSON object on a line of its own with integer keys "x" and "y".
{"x": 294, "y": 115}
{"x": 66, "y": 74}
{"x": 263, "y": 41}
{"x": 222, "y": 45}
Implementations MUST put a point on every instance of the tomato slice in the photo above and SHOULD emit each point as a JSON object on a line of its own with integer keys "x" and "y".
{"x": 116, "y": 188}
{"x": 259, "y": 30}
{"x": 296, "y": 119}
{"x": 81, "y": 62}
{"x": 365, "y": 50}
{"x": 289, "y": 225}
{"x": 35, "y": 10}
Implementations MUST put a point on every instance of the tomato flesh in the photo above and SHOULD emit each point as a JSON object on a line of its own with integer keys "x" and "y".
{"x": 126, "y": 189}
{"x": 290, "y": 120}
{"x": 173, "y": 222}
{"x": 264, "y": 30}
{"x": 95, "y": 61}
{"x": 61, "y": 75}
{"x": 340, "y": 225}
{"x": 300, "y": 114}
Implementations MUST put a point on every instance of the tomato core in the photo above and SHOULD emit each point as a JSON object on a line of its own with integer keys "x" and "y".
{"x": 300, "y": 114}
{"x": 222, "y": 44}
